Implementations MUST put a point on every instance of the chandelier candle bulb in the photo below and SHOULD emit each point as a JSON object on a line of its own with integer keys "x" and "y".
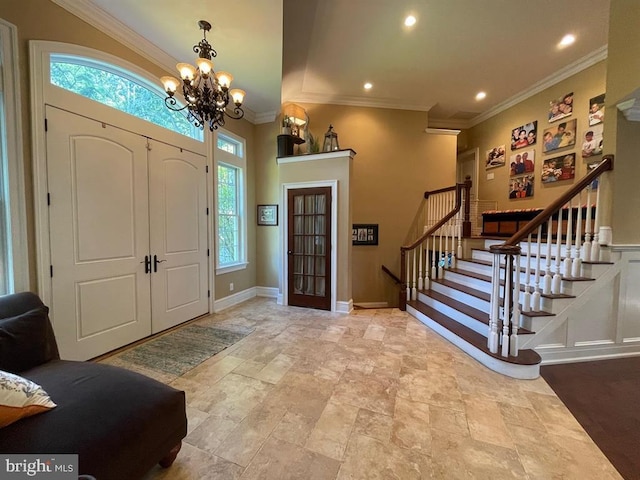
{"x": 206, "y": 92}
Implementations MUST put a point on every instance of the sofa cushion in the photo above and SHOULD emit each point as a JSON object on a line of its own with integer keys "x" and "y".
{"x": 20, "y": 398}
{"x": 120, "y": 423}
{"x": 24, "y": 340}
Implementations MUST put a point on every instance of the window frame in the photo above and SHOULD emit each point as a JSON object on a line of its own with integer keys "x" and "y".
{"x": 238, "y": 161}
{"x": 12, "y": 162}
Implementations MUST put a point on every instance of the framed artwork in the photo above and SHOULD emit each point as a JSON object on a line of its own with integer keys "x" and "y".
{"x": 559, "y": 136}
{"x": 267, "y": 215}
{"x": 592, "y": 141}
{"x": 561, "y": 108}
{"x": 591, "y": 166}
{"x": 364, "y": 234}
{"x": 495, "y": 157}
{"x": 559, "y": 168}
{"x": 524, "y": 135}
{"x": 521, "y": 163}
{"x": 521, "y": 187}
{"x": 596, "y": 110}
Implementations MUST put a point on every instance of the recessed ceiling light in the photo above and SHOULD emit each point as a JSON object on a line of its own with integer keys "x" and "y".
{"x": 368, "y": 86}
{"x": 567, "y": 40}
{"x": 410, "y": 21}
{"x": 481, "y": 95}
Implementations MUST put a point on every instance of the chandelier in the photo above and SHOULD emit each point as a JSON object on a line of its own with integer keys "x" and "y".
{"x": 206, "y": 92}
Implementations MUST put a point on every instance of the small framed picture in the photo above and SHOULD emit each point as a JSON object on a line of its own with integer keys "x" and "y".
{"x": 267, "y": 215}
{"x": 364, "y": 234}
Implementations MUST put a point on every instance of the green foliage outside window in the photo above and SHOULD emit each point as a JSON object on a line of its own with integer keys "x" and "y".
{"x": 228, "y": 215}
{"x": 121, "y": 93}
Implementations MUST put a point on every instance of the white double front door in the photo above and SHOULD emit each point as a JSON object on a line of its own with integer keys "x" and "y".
{"x": 128, "y": 235}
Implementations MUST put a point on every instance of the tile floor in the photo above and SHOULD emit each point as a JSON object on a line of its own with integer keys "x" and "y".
{"x": 371, "y": 395}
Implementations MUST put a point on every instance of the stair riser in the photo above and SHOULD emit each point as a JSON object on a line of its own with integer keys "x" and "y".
{"x": 468, "y": 281}
{"x": 470, "y": 300}
{"x": 454, "y": 314}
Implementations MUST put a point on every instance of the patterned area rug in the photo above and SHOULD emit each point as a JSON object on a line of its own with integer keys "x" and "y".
{"x": 183, "y": 349}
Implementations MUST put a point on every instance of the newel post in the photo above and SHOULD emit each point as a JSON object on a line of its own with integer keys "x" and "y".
{"x": 466, "y": 223}
{"x": 402, "y": 298}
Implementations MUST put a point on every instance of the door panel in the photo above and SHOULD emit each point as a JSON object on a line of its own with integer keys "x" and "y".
{"x": 309, "y": 247}
{"x": 99, "y": 235}
{"x": 178, "y": 222}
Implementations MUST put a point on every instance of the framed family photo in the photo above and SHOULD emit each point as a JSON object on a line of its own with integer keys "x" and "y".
{"x": 559, "y": 168}
{"x": 495, "y": 157}
{"x": 596, "y": 110}
{"x": 267, "y": 215}
{"x": 364, "y": 234}
{"x": 561, "y": 107}
{"x": 524, "y": 135}
{"x": 559, "y": 136}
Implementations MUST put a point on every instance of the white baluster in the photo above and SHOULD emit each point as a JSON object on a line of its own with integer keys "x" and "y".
{"x": 506, "y": 321}
{"x": 586, "y": 246}
{"x": 427, "y": 283}
{"x": 414, "y": 293}
{"x": 526, "y": 299}
{"x": 492, "y": 337}
{"x": 420, "y": 271}
{"x": 440, "y": 251}
{"x": 556, "y": 284}
{"x": 576, "y": 268}
{"x": 459, "y": 231}
{"x": 516, "y": 318}
{"x": 566, "y": 266}
{"x": 595, "y": 245}
{"x": 536, "y": 299}
{"x": 547, "y": 275}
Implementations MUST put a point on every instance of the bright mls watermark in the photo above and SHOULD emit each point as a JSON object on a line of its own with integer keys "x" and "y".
{"x": 39, "y": 467}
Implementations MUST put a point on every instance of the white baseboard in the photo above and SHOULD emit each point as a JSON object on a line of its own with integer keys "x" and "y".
{"x": 344, "y": 307}
{"x": 271, "y": 292}
{"x": 235, "y": 299}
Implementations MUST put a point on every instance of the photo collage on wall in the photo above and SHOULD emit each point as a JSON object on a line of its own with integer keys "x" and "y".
{"x": 557, "y": 143}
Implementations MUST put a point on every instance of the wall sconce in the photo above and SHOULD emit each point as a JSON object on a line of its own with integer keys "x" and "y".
{"x": 296, "y": 118}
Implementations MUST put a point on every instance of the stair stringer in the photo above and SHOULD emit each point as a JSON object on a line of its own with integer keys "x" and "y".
{"x": 524, "y": 372}
{"x": 562, "y": 317}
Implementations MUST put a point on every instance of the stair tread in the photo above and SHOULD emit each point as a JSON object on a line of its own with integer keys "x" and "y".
{"x": 525, "y": 357}
{"x": 467, "y": 273}
{"x": 522, "y": 270}
{"x": 463, "y": 288}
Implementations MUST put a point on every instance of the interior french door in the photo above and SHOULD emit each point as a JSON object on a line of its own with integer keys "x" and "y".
{"x": 309, "y": 247}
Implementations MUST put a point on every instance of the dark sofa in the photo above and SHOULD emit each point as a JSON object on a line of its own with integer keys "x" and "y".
{"x": 120, "y": 423}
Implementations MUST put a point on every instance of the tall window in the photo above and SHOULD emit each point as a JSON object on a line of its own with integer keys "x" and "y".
{"x": 13, "y": 254}
{"x": 231, "y": 209}
{"x": 112, "y": 86}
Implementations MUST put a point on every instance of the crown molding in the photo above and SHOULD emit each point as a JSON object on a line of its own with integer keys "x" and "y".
{"x": 352, "y": 101}
{"x": 106, "y": 23}
{"x": 630, "y": 109}
{"x": 264, "y": 117}
{"x": 441, "y": 131}
{"x": 562, "y": 74}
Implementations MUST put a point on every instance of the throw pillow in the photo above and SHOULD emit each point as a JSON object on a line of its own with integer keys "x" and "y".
{"x": 20, "y": 398}
{"x": 24, "y": 340}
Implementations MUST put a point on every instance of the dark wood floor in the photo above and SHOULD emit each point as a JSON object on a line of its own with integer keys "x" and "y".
{"x": 604, "y": 397}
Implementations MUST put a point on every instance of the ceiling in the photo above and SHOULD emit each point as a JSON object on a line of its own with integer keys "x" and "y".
{"x": 323, "y": 51}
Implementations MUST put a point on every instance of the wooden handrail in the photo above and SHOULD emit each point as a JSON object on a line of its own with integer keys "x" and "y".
{"x": 440, "y": 190}
{"x": 542, "y": 217}
{"x": 391, "y": 274}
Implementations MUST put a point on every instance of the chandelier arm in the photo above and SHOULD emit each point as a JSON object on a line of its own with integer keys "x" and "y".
{"x": 172, "y": 104}
{"x": 238, "y": 113}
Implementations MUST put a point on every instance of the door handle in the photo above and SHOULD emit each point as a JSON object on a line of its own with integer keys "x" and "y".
{"x": 147, "y": 263}
{"x": 156, "y": 262}
{"x": 289, "y": 252}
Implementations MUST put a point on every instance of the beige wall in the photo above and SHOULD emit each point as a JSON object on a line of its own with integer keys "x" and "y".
{"x": 623, "y": 78}
{"x": 497, "y": 131}
{"x": 44, "y": 20}
{"x": 339, "y": 169}
{"x": 395, "y": 162}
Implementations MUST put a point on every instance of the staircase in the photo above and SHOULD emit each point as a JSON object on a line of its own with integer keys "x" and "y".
{"x": 457, "y": 305}
{"x": 504, "y": 298}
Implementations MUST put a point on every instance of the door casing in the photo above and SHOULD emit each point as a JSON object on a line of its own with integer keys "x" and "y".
{"x": 284, "y": 280}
